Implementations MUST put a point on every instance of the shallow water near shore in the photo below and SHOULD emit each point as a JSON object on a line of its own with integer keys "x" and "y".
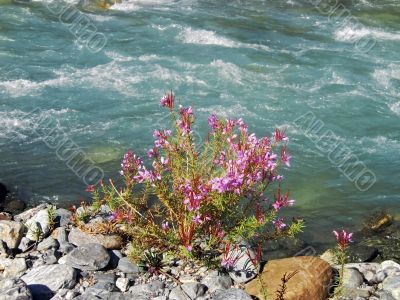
{"x": 269, "y": 62}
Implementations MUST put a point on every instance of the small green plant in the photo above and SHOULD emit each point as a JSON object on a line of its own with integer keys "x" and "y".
{"x": 152, "y": 262}
{"x": 208, "y": 196}
{"x": 51, "y": 215}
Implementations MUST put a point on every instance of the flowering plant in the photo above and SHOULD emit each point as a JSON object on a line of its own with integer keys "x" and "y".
{"x": 343, "y": 239}
{"x": 192, "y": 199}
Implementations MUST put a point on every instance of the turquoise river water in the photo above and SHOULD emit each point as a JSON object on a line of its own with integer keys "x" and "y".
{"x": 334, "y": 64}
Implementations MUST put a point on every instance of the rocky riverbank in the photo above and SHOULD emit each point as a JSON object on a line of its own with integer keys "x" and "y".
{"x": 44, "y": 255}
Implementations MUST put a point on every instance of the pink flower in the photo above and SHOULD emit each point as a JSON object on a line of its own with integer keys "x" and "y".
{"x": 186, "y": 120}
{"x": 279, "y": 225}
{"x": 165, "y": 225}
{"x": 282, "y": 201}
{"x": 279, "y": 135}
{"x": 90, "y": 188}
{"x": 343, "y": 238}
{"x": 197, "y": 219}
{"x": 130, "y": 163}
{"x": 168, "y": 101}
{"x": 285, "y": 158}
{"x": 189, "y": 248}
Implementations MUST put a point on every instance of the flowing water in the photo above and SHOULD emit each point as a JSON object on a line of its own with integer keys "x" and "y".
{"x": 269, "y": 62}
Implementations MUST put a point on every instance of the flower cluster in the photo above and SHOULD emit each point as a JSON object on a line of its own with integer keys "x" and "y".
{"x": 215, "y": 194}
{"x": 343, "y": 238}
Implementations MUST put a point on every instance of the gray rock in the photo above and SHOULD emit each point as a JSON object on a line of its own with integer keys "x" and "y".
{"x": 391, "y": 264}
{"x": 12, "y": 267}
{"x": 60, "y": 234}
{"x": 156, "y": 286}
{"x": 63, "y": 217}
{"x": 14, "y": 289}
{"x": 231, "y": 294}
{"x": 194, "y": 289}
{"x": 38, "y": 222}
{"x": 141, "y": 290}
{"x": 215, "y": 281}
{"x": 11, "y": 233}
{"x": 47, "y": 243}
{"x": 90, "y": 257}
{"x": 123, "y": 284}
{"x": 384, "y": 295}
{"x": 44, "y": 281}
{"x": 124, "y": 265}
{"x": 88, "y": 295}
{"x": 66, "y": 248}
{"x": 50, "y": 257}
{"x": 65, "y": 294}
{"x": 243, "y": 269}
{"x": 25, "y": 244}
{"x": 392, "y": 285}
{"x": 353, "y": 293}
{"x": 178, "y": 294}
{"x": 80, "y": 238}
{"x": 28, "y": 214}
{"x": 160, "y": 298}
{"x": 352, "y": 278}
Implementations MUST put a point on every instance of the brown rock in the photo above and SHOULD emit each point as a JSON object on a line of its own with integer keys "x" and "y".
{"x": 312, "y": 281}
{"x": 80, "y": 238}
{"x": 11, "y": 233}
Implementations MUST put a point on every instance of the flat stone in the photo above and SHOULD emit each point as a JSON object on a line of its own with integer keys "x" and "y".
{"x": 11, "y": 233}
{"x": 390, "y": 263}
{"x": 80, "y": 238}
{"x": 141, "y": 290}
{"x": 178, "y": 294}
{"x": 14, "y": 289}
{"x": 90, "y": 257}
{"x": 44, "y": 281}
{"x": 194, "y": 289}
{"x": 311, "y": 281}
{"x": 243, "y": 269}
{"x": 233, "y": 294}
{"x": 215, "y": 281}
{"x": 47, "y": 244}
{"x": 392, "y": 284}
{"x": 124, "y": 265}
{"x": 12, "y": 267}
{"x": 28, "y": 214}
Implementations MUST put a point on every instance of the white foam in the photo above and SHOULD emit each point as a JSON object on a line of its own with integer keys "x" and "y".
{"x": 353, "y": 33}
{"x": 133, "y": 5}
{"x": 207, "y": 37}
{"x": 384, "y": 76}
{"x": 395, "y": 107}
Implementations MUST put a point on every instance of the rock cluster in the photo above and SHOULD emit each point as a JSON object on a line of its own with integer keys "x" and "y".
{"x": 44, "y": 259}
